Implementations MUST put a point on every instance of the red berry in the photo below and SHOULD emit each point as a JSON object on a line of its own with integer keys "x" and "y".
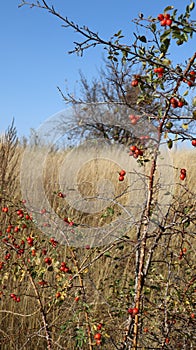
{"x": 61, "y": 195}
{"x": 122, "y": 173}
{"x": 169, "y": 22}
{"x": 164, "y": 22}
{"x": 160, "y": 17}
{"x": 134, "y": 83}
{"x": 130, "y": 311}
{"x": 121, "y": 178}
{"x": 190, "y": 83}
{"x": 135, "y": 311}
{"x": 182, "y": 176}
{"x": 133, "y": 148}
{"x": 174, "y": 102}
{"x": 160, "y": 70}
{"x": 48, "y": 261}
{"x": 180, "y": 104}
{"x": 183, "y": 171}
{"x": 167, "y": 16}
{"x": 97, "y": 336}
{"x": 194, "y": 142}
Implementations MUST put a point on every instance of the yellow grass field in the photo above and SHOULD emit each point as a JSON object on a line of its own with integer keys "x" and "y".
{"x": 105, "y": 213}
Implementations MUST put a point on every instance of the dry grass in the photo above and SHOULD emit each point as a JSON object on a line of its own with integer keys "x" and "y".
{"x": 95, "y": 199}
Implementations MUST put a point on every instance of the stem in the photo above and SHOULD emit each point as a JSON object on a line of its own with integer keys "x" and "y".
{"x": 81, "y": 281}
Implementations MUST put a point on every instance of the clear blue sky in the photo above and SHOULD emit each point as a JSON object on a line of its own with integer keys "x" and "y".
{"x": 34, "y": 46}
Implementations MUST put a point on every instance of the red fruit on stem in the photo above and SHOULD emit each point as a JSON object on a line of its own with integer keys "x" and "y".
{"x": 160, "y": 17}
{"x": 61, "y": 195}
{"x": 182, "y": 176}
{"x": 130, "y": 311}
{"x": 163, "y": 22}
{"x": 122, "y": 173}
{"x": 183, "y": 171}
{"x": 190, "y": 83}
{"x": 133, "y": 148}
{"x": 134, "y": 83}
{"x": 48, "y": 261}
{"x": 135, "y": 311}
{"x": 180, "y": 104}
{"x": 167, "y": 16}
{"x": 97, "y": 336}
{"x": 194, "y": 142}
{"x": 121, "y": 178}
{"x": 160, "y": 70}
{"x": 169, "y": 22}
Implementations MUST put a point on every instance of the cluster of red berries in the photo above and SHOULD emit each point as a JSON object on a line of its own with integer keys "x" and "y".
{"x": 64, "y": 267}
{"x": 5, "y": 209}
{"x": 136, "y": 80}
{"x": 191, "y": 78}
{"x": 18, "y": 247}
{"x": 159, "y": 71}
{"x": 165, "y": 19}
{"x": 21, "y": 215}
{"x": 68, "y": 221}
{"x": 48, "y": 261}
{"x": 182, "y": 252}
{"x": 134, "y": 118}
{"x": 182, "y": 174}
{"x": 175, "y": 103}
{"x": 30, "y": 241}
{"x": 53, "y": 242}
{"x": 135, "y": 151}
{"x": 98, "y": 335}
{"x": 15, "y": 298}
{"x": 133, "y": 311}
{"x": 122, "y": 174}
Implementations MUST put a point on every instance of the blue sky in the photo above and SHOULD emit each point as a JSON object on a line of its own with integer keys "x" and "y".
{"x": 34, "y": 58}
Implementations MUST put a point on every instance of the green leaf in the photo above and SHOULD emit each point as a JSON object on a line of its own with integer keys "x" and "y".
{"x": 165, "y": 35}
{"x": 142, "y": 39}
{"x": 187, "y": 30}
{"x": 191, "y": 6}
{"x": 186, "y": 93}
{"x": 168, "y": 8}
{"x": 177, "y": 35}
{"x": 119, "y": 33}
{"x": 179, "y": 42}
{"x": 185, "y": 37}
{"x": 165, "y": 45}
{"x": 107, "y": 254}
